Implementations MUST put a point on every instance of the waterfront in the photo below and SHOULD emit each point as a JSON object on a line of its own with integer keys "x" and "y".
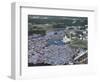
{"x": 55, "y": 42}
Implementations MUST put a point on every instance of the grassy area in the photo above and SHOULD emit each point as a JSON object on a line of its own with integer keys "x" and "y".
{"x": 79, "y": 43}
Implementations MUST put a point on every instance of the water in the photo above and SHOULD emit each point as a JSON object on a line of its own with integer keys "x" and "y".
{"x": 55, "y": 42}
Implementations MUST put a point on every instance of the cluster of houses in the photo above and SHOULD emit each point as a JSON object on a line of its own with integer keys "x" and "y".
{"x": 40, "y": 52}
{"x": 80, "y": 33}
{"x": 77, "y": 32}
{"x": 54, "y": 47}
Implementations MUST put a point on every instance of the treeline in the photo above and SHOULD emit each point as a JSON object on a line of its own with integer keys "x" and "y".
{"x": 69, "y": 21}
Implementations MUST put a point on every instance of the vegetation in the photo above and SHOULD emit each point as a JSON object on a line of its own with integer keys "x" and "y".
{"x": 79, "y": 43}
{"x": 63, "y": 38}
